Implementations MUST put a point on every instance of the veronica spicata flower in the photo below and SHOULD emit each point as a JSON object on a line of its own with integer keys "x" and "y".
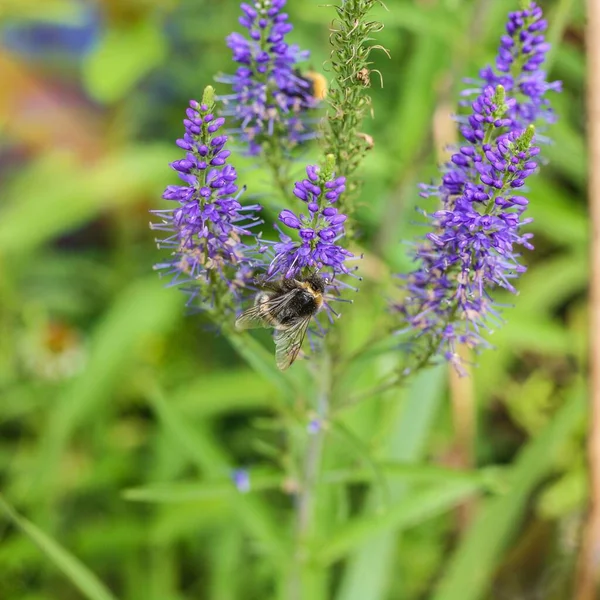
{"x": 473, "y": 246}
{"x": 269, "y": 96}
{"x": 318, "y": 229}
{"x": 519, "y": 70}
{"x": 207, "y": 227}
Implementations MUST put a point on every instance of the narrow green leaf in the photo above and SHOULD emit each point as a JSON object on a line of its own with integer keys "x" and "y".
{"x": 414, "y": 108}
{"x": 566, "y": 495}
{"x": 559, "y": 21}
{"x": 411, "y": 510}
{"x": 426, "y": 21}
{"x": 220, "y": 392}
{"x": 263, "y": 362}
{"x": 79, "y": 575}
{"x": 207, "y": 455}
{"x": 210, "y": 490}
{"x": 226, "y": 560}
{"x": 569, "y": 66}
{"x": 552, "y": 283}
{"x": 371, "y": 566}
{"x": 556, "y": 216}
{"x": 531, "y": 331}
{"x": 412, "y": 116}
{"x": 190, "y": 519}
{"x": 568, "y": 154}
{"x": 492, "y": 479}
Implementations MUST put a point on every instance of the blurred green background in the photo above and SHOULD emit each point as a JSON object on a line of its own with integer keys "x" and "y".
{"x": 91, "y": 102}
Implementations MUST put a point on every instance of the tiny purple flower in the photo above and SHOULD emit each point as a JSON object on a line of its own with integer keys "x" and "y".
{"x": 314, "y": 426}
{"x": 241, "y": 480}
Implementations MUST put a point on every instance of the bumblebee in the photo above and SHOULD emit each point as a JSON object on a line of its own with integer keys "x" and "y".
{"x": 286, "y": 305}
{"x": 316, "y": 81}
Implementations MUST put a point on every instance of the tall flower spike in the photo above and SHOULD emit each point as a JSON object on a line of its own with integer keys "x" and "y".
{"x": 208, "y": 224}
{"x": 519, "y": 70}
{"x": 269, "y": 96}
{"x": 473, "y": 246}
{"x": 352, "y": 35}
{"x": 318, "y": 229}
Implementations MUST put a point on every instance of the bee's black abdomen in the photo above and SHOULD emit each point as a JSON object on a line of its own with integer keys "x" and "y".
{"x": 302, "y": 305}
{"x": 307, "y": 304}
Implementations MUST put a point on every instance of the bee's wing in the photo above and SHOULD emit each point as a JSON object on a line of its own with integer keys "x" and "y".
{"x": 288, "y": 343}
{"x": 265, "y": 311}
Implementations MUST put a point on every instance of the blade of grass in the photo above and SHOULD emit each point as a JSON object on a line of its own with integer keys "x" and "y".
{"x": 412, "y": 116}
{"x": 225, "y": 391}
{"x": 225, "y": 563}
{"x": 492, "y": 479}
{"x": 211, "y": 490}
{"x": 73, "y": 195}
{"x": 122, "y": 56}
{"x": 210, "y": 459}
{"x": 370, "y": 567}
{"x": 79, "y": 575}
{"x": 410, "y": 511}
{"x": 264, "y": 363}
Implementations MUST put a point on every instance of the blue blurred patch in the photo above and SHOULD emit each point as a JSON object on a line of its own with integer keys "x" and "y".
{"x": 38, "y": 39}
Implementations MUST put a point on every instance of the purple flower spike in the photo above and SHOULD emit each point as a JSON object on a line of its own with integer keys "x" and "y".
{"x": 208, "y": 224}
{"x": 473, "y": 246}
{"x": 320, "y": 228}
{"x": 518, "y": 68}
{"x": 268, "y": 92}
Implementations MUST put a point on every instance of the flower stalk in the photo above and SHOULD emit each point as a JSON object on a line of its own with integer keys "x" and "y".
{"x": 304, "y": 575}
{"x": 347, "y": 97}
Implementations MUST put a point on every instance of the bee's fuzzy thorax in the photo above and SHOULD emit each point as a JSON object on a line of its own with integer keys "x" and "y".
{"x": 319, "y": 300}
{"x": 318, "y": 296}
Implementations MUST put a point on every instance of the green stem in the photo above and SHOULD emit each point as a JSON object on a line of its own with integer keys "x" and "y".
{"x": 305, "y": 577}
{"x": 279, "y": 167}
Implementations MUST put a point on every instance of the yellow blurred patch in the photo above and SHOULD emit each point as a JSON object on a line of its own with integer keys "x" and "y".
{"x": 318, "y": 84}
